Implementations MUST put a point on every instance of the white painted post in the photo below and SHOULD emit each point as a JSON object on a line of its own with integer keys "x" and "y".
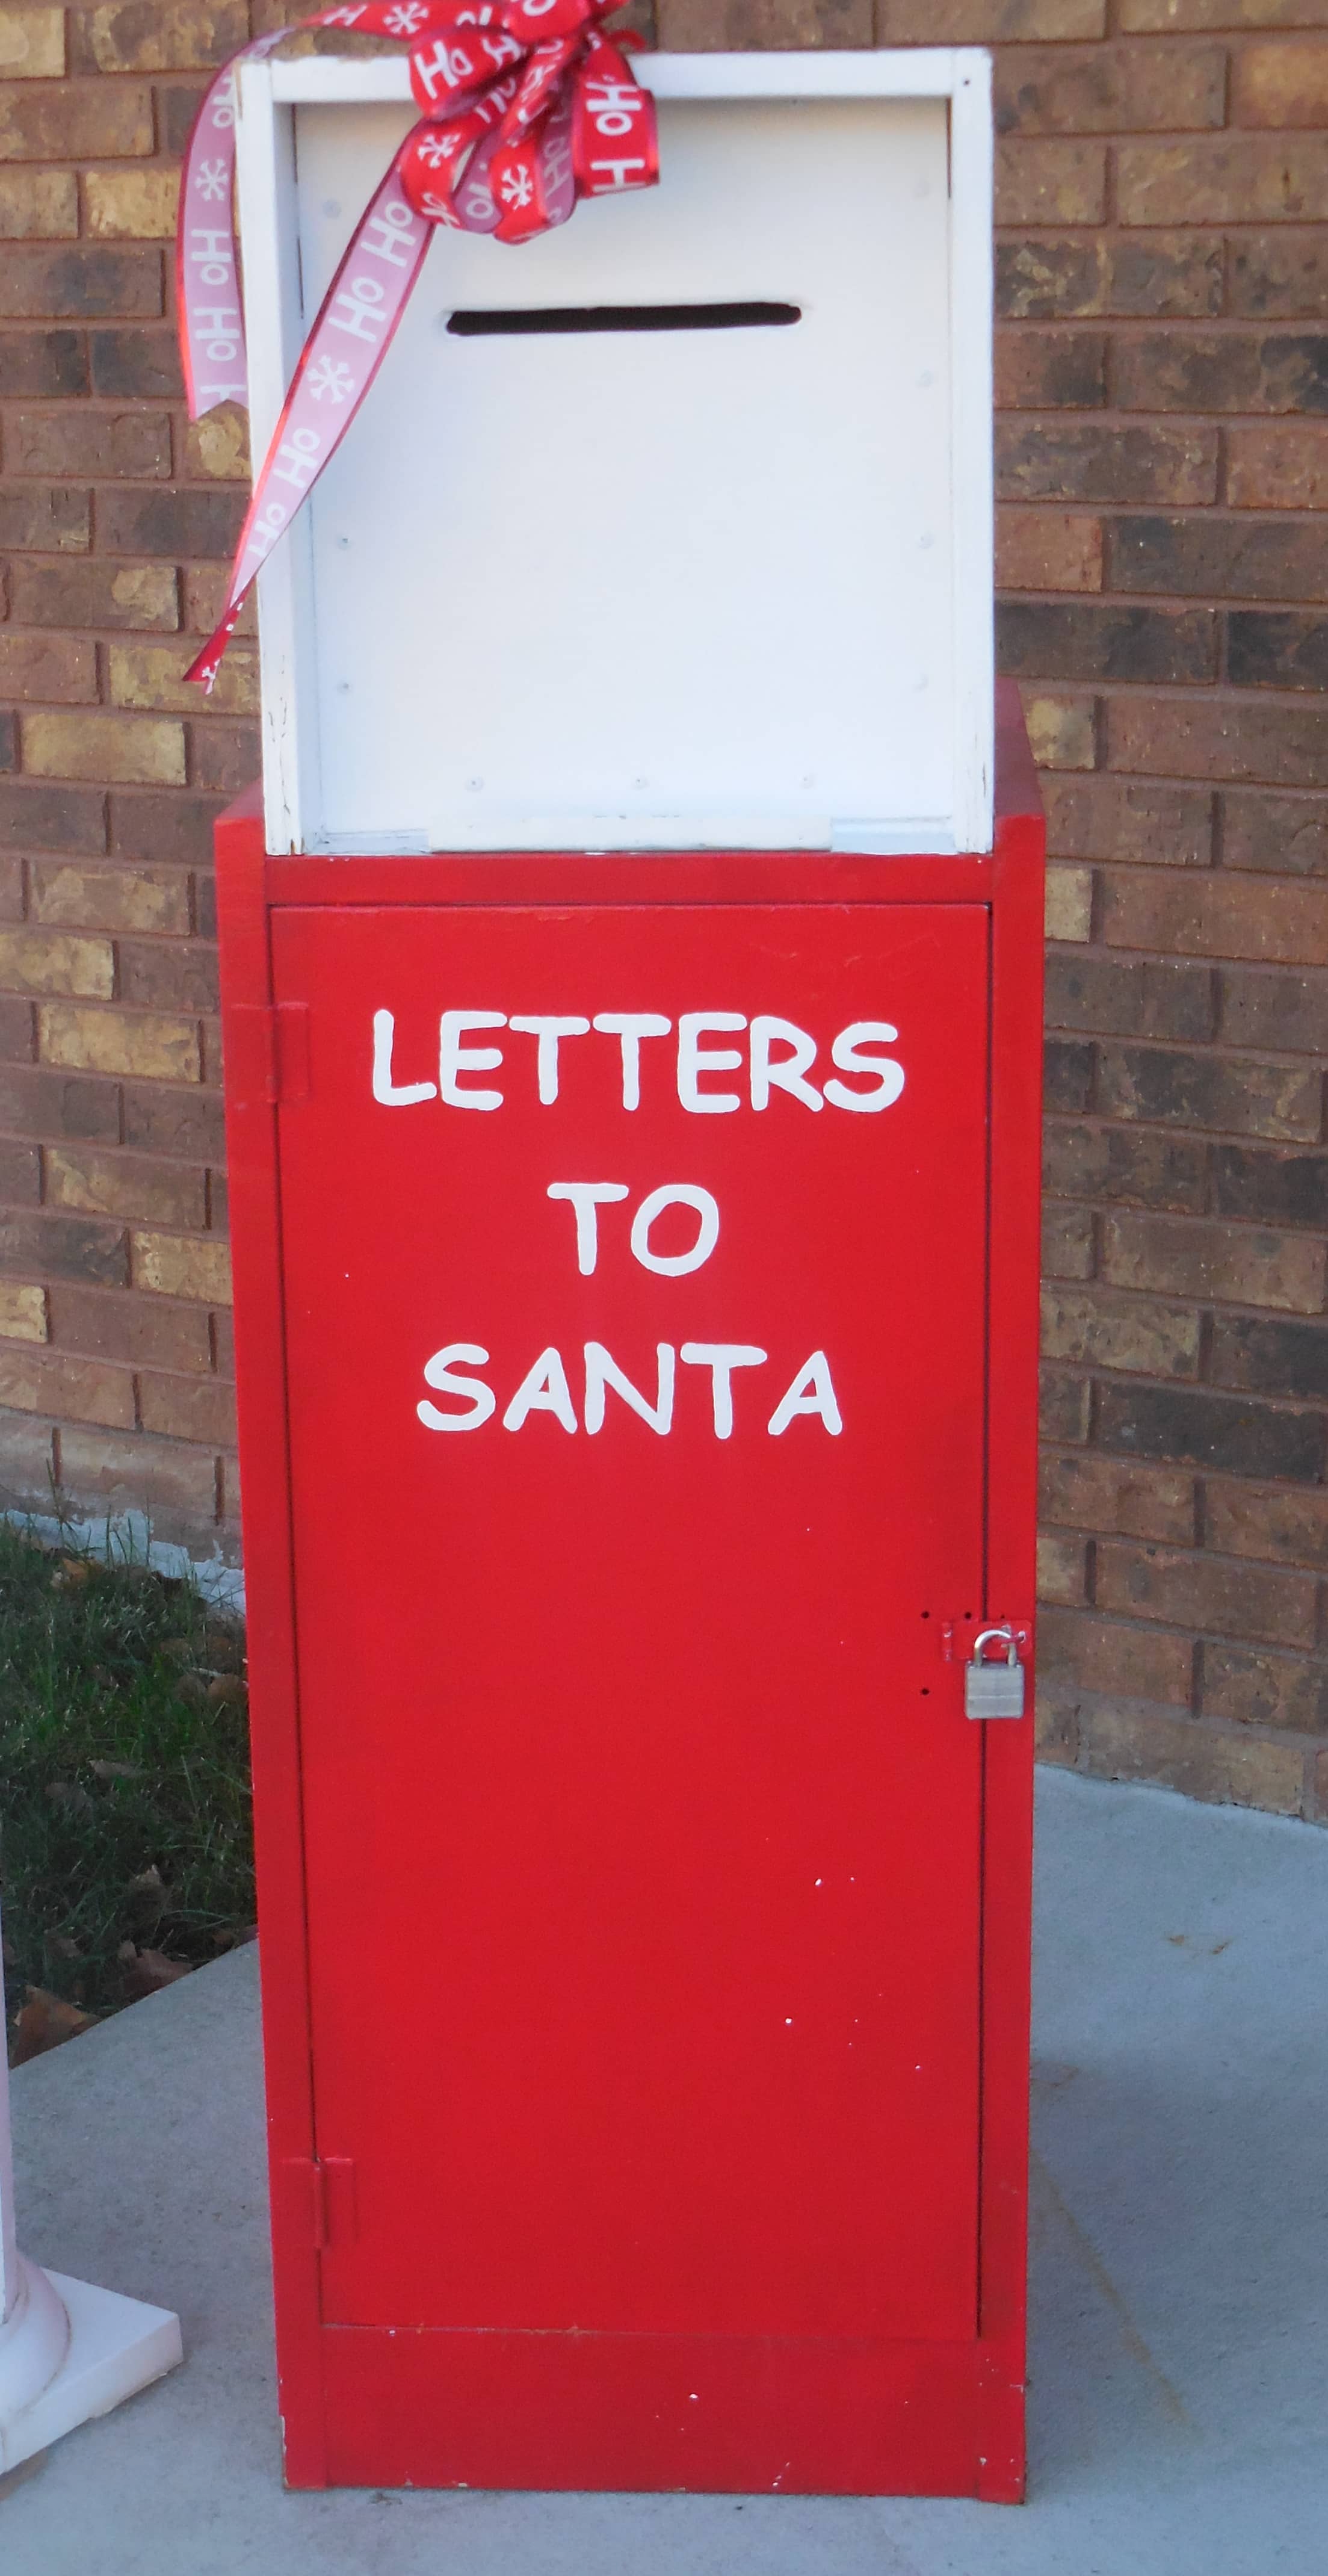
{"x": 67, "y": 2351}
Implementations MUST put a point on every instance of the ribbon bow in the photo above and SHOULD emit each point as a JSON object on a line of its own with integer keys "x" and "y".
{"x": 527, "y": 107}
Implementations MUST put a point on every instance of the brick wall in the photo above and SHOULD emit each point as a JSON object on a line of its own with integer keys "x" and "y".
{"x": 1163, "y": 472}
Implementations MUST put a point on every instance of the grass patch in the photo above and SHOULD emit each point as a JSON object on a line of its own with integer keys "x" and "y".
{"x": 124, "y": 1776}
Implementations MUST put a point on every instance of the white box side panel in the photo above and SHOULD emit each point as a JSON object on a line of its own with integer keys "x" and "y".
{"x": 654, "y": 575}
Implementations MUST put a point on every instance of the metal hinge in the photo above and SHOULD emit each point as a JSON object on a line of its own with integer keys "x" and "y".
{"x": 271, "y": 1042}
{"x": 327, "y": 2184}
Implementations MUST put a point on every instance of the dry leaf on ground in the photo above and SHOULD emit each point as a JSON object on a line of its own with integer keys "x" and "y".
{"x": 43, "y": 2021}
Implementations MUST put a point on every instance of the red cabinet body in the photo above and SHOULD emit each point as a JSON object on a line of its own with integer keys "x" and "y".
{"x": 634, "y": 1426}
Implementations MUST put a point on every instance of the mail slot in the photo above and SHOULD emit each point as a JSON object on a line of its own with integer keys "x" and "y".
{"x": 632, "y": 1016}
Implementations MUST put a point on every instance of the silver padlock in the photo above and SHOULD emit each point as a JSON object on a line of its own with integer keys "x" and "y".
{"x": 994, "y": 1690}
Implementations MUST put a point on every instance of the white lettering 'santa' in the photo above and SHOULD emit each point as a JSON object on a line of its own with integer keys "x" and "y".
{"x": 811, "y": 1392}
{"x": 440, "y": 1374}
{"x": 545, "y": 1388}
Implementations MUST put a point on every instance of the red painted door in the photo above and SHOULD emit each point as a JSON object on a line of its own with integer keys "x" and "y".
{"x": 641, "y": 1815}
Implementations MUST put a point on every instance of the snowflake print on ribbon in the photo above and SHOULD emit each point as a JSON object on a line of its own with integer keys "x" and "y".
{"x": 330, "y": 376}
{"x": 439, "y": 146}
{"x": 404, "y": 21}
{"x": 516, "y": 188}
{"x": 212, "y": 179}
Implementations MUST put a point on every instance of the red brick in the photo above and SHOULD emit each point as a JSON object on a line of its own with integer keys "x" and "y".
{"x": 1123, "y": 1165}
{"x": 168, "y": 975}
{"x": 76, "y": 121}
{"x": 36, "y": 1101}
{"x": 1095, "y": 1492}
{"x": 1080, "y": 274}
{"x": 1205, "y": 1089}
{"x": 1212, "y": 737}
{"x": 1281, "y": 84}
{"x": 1181, "y": 1257}
{"x": 145, "y": 1332}
{"x": 123, "y": 445}
{"x": 225, "y": 757}
{"x": 1050, "y": 370}
{"x": 50, "y": 670}
{"x": 1205, "y": 1592}
{"x": 1214, "y": 914}
{"x": 1281, "y": 835}
{"x": 1282, "y": 466}
{"x": 1278, "y": 275}
{"x": 1100, "y": 1329}
{"x": 1109, "y": 89}
{"x": 175, "y": 1484}
{"x": 740, "y": 26}
{"x": 136, "y": 363}
{"x": 80, "y": 592}
{"x": 188, "y": 1124}
{"x": 1212, "y": 556}
{"x": 1116, "y": 1657}
{"x": 53, "y": 818}
{"x": 124, "y": 1185}
{"x": 1214, "y": 371}
{"x": 170, "y": 826}
{"x": 27, "y": 1459}
{"x": 1060, "y": 460}
{"x": 1250, "y": 1181}
{"x": 88, "y": 281}
{"x": 1262, "y": 1008}
{"x": 1050, "y": 182}
{"x": 1067, "y": 1241}
{"x": 1091, "y": 640}
{"x": 1289, "y": 1692}
{"x": 1048, "y": 550}
{"x": 1267, "y": 1522}
{"x": 201, "y": 1409}
{"x": 74, "y": 1390}
{"x": 1062, "y": 1570}
{"x": 55, "y": 521}
{"x": 1219, "y": 179}
{"x": 1119, "y": 818}
{"x": 1131, "y": 1744}
{"x": 1064, "y": 1405}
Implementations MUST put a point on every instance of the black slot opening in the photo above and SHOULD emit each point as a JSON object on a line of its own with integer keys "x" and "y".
{"x": 625, "y": 317}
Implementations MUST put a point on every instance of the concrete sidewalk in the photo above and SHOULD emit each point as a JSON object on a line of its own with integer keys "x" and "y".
{"x": 1180, "y": 2269}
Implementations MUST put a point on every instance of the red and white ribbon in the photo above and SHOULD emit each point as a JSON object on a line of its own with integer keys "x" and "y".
{"x": 527, "y": 107}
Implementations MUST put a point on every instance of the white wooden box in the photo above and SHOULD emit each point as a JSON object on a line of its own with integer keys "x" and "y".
{"x": 653, "y": 588}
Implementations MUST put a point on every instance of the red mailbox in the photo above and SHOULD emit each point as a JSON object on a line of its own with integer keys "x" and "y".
{"x": 632, "y": 1038}
{"x": 635, "y": 1277}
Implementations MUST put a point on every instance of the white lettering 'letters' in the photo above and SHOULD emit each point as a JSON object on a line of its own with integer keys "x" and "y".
{"x": 847, "y": 1054}
{"x": 393, "y": 1095}
{"x": 694, "y": 1060}
{"x": 548, "y": 1033}
{"x": 784, "y": 1073}
{"x": 631, "y": 1027}
{"x": 454, "y": 1059}
{"x": 779, "y": 1055}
